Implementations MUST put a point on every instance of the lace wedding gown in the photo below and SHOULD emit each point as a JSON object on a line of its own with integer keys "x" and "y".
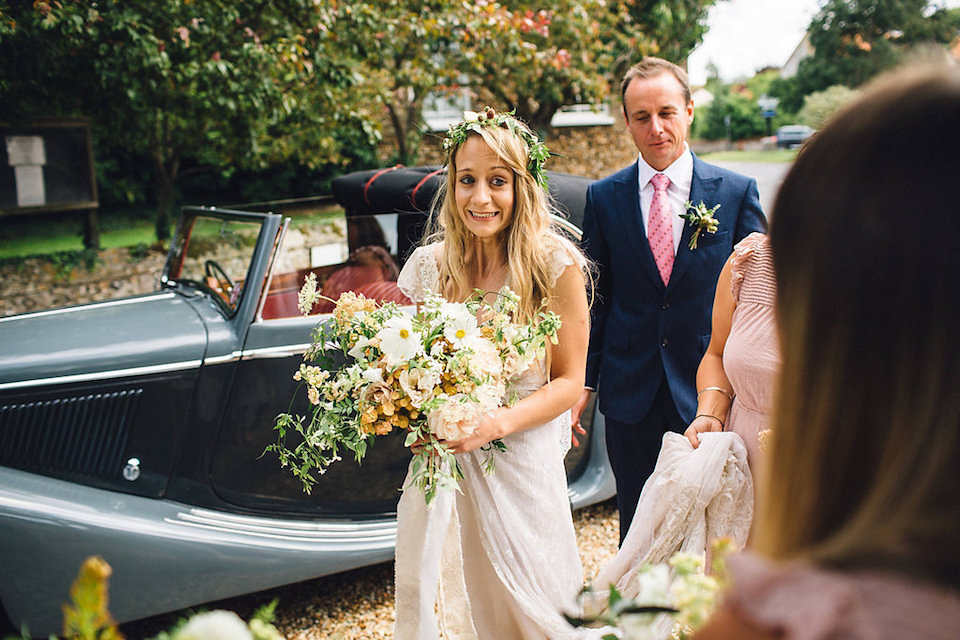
{"x": 499, "y": 559}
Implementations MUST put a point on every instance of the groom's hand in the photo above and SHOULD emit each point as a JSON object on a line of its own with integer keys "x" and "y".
{"x": 575, "y": 412}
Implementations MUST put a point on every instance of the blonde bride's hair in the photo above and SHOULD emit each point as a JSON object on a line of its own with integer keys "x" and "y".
{"x": 530, "y": 238}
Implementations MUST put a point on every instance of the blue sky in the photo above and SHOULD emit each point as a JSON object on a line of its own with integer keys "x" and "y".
{"x": 746, "y": 35}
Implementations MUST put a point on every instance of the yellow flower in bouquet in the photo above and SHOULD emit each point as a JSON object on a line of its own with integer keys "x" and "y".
{"x": 434, "y": 373}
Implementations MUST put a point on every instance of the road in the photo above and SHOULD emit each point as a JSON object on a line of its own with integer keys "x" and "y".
{"x": 768, "y": 175}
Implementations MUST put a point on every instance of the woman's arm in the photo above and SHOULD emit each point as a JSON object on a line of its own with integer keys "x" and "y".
{"x": 714, "y": 392}
{"x": 568, "y": 360}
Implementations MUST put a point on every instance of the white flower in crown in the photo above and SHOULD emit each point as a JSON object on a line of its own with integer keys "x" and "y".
{"x": 398, "y": 340}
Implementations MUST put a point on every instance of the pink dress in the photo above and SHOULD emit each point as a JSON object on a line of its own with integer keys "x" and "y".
{"x": 806, "y": 603}
{"x": 751, "y": 356}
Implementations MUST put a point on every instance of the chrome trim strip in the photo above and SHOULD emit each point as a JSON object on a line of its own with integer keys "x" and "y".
{"x": 104, "y": 375}
{"x": 282, "y": 351}
{"x": 230, "y": 357}
{"x": 380, "y": 531}
{"x": 93, "y": 305}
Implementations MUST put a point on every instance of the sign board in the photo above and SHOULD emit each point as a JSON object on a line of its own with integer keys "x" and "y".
{"x": 46, "y": 166}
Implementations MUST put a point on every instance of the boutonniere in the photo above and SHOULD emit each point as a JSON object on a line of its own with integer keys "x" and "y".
{"x": 701, "y": 218}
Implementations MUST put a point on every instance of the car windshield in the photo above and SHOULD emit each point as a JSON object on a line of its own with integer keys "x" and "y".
{"x": 214, "y": 251}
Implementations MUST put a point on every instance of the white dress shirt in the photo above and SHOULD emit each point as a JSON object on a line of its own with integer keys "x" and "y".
{"x": 681, "y": 177}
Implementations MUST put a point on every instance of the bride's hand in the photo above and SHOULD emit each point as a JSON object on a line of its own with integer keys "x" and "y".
{"x": 701, "y": 424}
{"x": 489, "y": 429}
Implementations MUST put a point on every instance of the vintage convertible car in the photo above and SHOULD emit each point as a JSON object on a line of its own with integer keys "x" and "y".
{"x": 134, "y": 429}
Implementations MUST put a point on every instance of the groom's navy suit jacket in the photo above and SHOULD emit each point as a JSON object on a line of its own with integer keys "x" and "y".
{"x": 640, "y": 329}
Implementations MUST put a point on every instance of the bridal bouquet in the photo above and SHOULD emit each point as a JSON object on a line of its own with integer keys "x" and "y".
{"x": 434, "y": 374}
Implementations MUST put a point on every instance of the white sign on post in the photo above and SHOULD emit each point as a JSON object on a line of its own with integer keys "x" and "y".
{"x": 27, "y": 156}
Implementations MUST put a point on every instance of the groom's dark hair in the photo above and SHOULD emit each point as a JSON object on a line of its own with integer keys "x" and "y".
{"x": 650, "y": 67}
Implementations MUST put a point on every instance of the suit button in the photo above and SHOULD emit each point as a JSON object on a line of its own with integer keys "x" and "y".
{"x": 664, "y": 343}
{"x": 665, "y": 306}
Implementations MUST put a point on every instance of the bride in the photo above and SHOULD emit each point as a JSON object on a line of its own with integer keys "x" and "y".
{"x": 498, "y": 558}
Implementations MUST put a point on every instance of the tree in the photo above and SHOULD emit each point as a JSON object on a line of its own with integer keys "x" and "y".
{"x": 854, "y": 40}
{"x": 819, "y": 107}
{"x": 403, "y": 49}
{"x": 191, "y": 85}
{"x": 731, "y": 115}
{"x": 670, "y": 29}
{"x": 534, "y": 61}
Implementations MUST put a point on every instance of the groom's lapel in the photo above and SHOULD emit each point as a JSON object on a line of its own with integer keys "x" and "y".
{"x": 627, "y": 193}
{"x": 705, "y": 188}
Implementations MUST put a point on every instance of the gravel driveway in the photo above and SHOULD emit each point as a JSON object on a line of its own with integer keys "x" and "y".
{"x": 358, "y": 604}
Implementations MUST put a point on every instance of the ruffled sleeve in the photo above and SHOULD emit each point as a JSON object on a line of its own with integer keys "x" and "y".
{"x": 562, "y": 255}
{"x": 420, "y": 273}
{"x": 742, "y": 254}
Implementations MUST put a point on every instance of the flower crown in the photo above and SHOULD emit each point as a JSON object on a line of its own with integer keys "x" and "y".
{"x": 473, "y": 121}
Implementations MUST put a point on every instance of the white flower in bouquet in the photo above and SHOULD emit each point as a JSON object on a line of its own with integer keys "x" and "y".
{"x": 484, "y": 360}
{"x": 358, "y": 350}
{"x": 434, "y": 374}
{"x": 489, "y": 396}
{"x": 419, "y": 383}
{"x": 455, "y": 419}
{"x": 399, "y": 341}
{"x": 459, "y": 325}
{"x": 373, "y": 375}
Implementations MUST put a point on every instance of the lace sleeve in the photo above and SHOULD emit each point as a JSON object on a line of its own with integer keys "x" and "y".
{"x": 742, "y": 254}
{"x": 420, "y": 273}
{"x": 563, "y": 255}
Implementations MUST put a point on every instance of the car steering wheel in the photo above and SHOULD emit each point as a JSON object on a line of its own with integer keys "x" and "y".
{"x": 218, "y": 279}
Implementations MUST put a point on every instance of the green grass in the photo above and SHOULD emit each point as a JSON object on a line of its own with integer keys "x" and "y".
{"x": 26, "y": 239}
{"x": 22, "y": 237}
{"x": 778, "y": 155}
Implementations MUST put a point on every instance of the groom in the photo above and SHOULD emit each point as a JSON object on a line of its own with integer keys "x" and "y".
{"x": 654, "y": 294}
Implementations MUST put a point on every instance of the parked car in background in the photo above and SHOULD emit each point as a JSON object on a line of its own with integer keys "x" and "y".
{"x": 134, "y": 429}
{"x": 793, "y": 135}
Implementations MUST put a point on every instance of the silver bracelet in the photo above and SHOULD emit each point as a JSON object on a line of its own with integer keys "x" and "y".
{"x": 720, "y": 389}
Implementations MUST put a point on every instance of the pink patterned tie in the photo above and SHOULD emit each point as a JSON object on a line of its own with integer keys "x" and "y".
{"x": 660, "y": 227}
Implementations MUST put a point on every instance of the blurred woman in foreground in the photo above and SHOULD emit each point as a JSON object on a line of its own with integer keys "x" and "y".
{"x": 858, "y": 533}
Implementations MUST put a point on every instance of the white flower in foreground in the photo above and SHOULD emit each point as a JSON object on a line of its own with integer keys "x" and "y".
{"x": 459, "y": 325}
{"x": 214, "y": 625}
{"x": 398, "y": 341}
{"x": 653, "y": 585}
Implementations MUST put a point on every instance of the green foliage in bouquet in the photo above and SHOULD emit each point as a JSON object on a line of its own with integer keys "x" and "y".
{"x": 436, "y": 373}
